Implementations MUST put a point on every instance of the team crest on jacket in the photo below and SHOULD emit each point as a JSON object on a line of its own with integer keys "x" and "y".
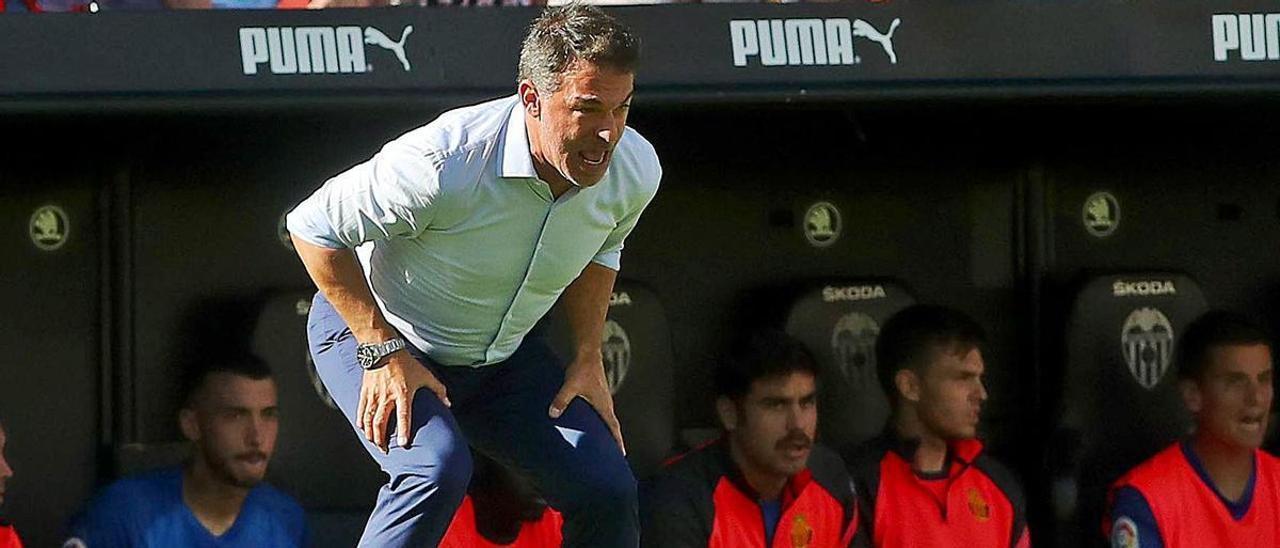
{"x": 977, "y": 505}
{"x": 801, "y": 533}
{"x": 1124, "y": 534}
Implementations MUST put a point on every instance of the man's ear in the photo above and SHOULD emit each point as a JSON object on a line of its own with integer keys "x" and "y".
{"x": 1191, "y": 396}
{"x": 728, "y": 413}
{"x": 907, "y": 383}
{"x": 529, "y": 98}
{"x": 190, "y": 426}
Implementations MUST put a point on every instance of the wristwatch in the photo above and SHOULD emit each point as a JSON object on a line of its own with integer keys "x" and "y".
{"x": 370, "y": 355}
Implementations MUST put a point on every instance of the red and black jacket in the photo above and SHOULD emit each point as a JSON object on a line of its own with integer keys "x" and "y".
{"x": 700, "y": 500}
{"x": 975, "y": 502}
{"x": 463, "y": 532}
{"x": 9, "y": 536}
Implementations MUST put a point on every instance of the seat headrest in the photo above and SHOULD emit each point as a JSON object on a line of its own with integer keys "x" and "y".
{"x": 132, "y": 458}
{"x": 638, "y": 363}
{"x": 839, "y": 320}
{"x": 1120, "y": 337}
{"x": 1120, "y": 403}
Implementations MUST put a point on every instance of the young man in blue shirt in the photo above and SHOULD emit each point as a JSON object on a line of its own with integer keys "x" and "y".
{"x": 218, "y": 498}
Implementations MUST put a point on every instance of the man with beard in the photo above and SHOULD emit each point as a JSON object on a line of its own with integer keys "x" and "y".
{"x": 1215, "y": 488}
{"x": 763, "y": 483}
{"x": 8, "y": 535}
{"x": 926, "y": 480}
{"x": 436, "y": 258}
{"x": 218, "y": 498}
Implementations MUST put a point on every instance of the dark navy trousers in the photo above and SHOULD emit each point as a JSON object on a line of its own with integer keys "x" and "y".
{"x": 501, "y": 411}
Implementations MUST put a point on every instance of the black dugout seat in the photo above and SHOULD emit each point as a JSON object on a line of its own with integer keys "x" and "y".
{"x": 638, "y": 362}
{"x": 839, "y": 321}
{"x": 1120, "y": 402}
{"x": 318, "y": 459}
{"x": 134, "y": 458}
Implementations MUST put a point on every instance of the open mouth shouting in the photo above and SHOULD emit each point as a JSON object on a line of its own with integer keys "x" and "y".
{"x": 594, "y": 158}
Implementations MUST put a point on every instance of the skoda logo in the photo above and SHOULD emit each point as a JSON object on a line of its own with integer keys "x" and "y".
{"x": 1101, "y": 214}
{"x": 853, "y": 343}
{"x": 1147, "y": 344}
{"x": 617, "y": 354}
{"x": 49, "y": 227}
{"x": 822, "y": 224}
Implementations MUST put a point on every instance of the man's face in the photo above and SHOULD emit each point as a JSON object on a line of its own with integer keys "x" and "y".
{"x": 774, "y": 425}
{"x": 233, "y": 424}
{"x": 5, "y": 471}
{"x": 951, "y": 394}
{"x": 1232, "y": 398}
{"x": 579, "y": 124}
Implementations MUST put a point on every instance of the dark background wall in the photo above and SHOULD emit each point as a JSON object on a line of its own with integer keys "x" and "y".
{"x": 975, "y": 205}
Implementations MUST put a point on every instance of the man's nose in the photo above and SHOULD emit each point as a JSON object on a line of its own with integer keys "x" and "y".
{"x": 611, "y": 130}
{"x": 253, "y": 434}
{"x": 1253, "y": 393}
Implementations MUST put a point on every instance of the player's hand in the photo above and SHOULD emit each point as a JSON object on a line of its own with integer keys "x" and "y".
{"x": 585, "y": 378}
{"x": 389, "y": 390}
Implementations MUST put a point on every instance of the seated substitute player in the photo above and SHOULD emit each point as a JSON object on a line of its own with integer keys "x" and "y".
{"x": 1215, "y": 488}
{"x": 218, "y": 498}
{"x": 764, "y": 483}
{"x": 926, "y": 480}
{"x": 8, "y": 535}
{"x": 502, "y": 509}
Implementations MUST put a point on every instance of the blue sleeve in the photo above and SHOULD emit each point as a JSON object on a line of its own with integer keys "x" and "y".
{"x": 1132, "y": 523}
{"x": 102, "y": 522}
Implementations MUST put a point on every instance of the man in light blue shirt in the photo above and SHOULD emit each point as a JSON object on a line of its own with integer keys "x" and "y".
{"x": 436, "y": 258}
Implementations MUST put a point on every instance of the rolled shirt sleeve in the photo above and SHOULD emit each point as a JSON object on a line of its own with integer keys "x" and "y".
{"x": 610, "y": 254}
{"x": 389, "y": 196}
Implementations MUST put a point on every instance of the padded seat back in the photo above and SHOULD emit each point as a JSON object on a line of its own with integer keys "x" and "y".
{"x": 1120, "y": 401}
{"x": 839, "y": 322}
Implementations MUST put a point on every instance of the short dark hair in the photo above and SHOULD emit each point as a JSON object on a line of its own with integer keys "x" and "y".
{"x": 911, "y": 337}
{"x": 1213, "y": 329}
{"x": 761, "y": 354}
{"x": 573, "y": 32}
{"x": 245, "y": 365}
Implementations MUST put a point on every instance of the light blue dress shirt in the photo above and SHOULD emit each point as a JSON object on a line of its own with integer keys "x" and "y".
{"x": 464, "y": 247}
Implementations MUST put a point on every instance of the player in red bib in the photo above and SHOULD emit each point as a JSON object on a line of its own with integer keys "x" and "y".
{"x": 927, "y": 481}
{"x": 764, "y": 483}
{"x": 502, "y": 509}
{"x": 1216, "y": 488}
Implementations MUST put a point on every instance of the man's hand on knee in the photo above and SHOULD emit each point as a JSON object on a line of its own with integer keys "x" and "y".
{"x": 390, "y": 389}
{"x": 585, "y": 377}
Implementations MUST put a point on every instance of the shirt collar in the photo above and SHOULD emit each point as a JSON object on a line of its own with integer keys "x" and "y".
{"x": 790, "y": 492}
{"x": 962, "y": 452}
{"x": 517, "y": 160}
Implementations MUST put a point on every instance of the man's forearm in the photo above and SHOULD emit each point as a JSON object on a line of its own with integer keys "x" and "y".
{"x": 586, "y": 301}
{"x": 337, "y": 274}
